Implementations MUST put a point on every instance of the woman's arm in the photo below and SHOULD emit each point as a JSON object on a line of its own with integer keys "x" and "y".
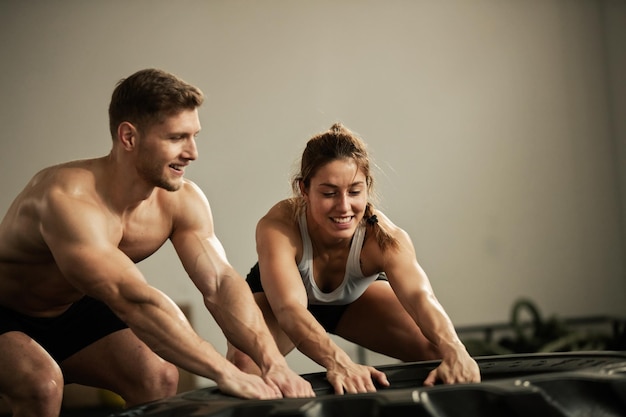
{"x": 277, "y": 242}
{"x": 413, "y": 289}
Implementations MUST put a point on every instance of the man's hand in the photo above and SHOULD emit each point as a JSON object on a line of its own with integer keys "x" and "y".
{"x": 457, "y": 366}
{"x": 288, "y": 382}
{"x": 353, "y": 378}
{"x": 243, "y": 385}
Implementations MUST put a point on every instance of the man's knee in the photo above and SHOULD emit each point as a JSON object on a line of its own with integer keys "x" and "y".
{"x": 45, "y": 391}
{"x": 37, "y": 394}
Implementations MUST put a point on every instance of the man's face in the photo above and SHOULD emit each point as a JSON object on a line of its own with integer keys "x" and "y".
{"x": 167, "y": 148}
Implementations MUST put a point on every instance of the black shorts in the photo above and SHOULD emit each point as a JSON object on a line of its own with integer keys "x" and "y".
{"x": 85, "y": 322}
{"x": 327, "y": 315}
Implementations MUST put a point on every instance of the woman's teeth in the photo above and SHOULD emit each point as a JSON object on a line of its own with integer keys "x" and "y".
{"x": 341, "y": 219}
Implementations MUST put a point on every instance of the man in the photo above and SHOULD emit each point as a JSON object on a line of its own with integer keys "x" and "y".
{"x": 73, "y": 305}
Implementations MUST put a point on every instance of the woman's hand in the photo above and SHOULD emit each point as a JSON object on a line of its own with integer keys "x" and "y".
{"x": 457, "y": 366}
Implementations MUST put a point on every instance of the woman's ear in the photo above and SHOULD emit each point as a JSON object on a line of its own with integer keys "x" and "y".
{"x": 303, "y": 191}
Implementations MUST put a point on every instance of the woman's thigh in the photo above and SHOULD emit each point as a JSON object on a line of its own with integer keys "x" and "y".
{"x": 285, "y": 345}
{"x": 378, "y": 322}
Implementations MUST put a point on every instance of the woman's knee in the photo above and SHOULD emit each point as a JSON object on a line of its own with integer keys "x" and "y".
{"x": 429, "y": 351}
{"x": 160, "y": 382}
{"x": 165, "y": 381}
{"x": 242, "y": 361}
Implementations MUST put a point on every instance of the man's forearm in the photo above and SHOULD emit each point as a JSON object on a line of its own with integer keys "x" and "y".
{"x": 241, "y": 320}
{"x": 158, "y": 322}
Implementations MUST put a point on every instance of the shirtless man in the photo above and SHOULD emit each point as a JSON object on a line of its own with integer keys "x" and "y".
{"x": 74, "y": 307}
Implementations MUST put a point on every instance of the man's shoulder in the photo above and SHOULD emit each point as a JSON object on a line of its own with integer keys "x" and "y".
{"x": 188, "y": 193}
{"x": 38, "y": 202}
{"x": 187, "y": 205}
{"x": 66, "y": 173}
{"x": 75, "y": 180}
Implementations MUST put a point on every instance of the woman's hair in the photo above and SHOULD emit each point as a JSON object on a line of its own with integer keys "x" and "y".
{"x": 335, "y": 144}
{"x": 148, "y": 97}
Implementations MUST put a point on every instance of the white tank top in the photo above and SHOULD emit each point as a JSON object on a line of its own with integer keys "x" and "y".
{"x": 354, "y": 283}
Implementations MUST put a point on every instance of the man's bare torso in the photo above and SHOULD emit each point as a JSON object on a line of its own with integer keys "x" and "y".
{"x": 30, "y": 281}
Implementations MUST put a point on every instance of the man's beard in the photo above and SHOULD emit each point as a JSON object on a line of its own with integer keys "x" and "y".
{"x": 153, "y": 174}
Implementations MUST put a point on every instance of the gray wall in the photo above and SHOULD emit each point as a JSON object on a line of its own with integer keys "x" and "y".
{"x": 497, "y": 126}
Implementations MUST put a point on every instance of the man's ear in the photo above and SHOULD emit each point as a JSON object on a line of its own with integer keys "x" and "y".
{"x": 127, "y": 135}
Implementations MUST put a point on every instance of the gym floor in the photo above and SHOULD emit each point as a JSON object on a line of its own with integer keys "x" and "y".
{"x": 86, "y": 412}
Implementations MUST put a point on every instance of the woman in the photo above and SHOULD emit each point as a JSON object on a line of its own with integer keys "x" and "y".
{"x": 328, "y": 262}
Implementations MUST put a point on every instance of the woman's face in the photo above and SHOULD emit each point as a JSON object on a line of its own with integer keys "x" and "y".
{"x": 336, "y": 198}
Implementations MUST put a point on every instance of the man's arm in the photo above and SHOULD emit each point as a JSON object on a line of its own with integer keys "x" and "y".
{"x": 84, "y": 248}
{"x": 227, "y": 296}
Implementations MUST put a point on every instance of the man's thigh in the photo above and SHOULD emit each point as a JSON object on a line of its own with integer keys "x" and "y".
{"x": 115, "y": 362}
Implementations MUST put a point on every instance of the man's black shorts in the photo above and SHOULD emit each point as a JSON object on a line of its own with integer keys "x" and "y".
{"x": 85, "y": 322}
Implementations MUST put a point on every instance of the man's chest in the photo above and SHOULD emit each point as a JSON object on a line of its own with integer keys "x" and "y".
{"x": 143, "y": 234}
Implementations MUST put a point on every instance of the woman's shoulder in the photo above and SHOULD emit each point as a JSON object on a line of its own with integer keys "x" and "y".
{"x": 284, "y": 209}
{"x": 379, "y": 218}
{"x": 280, "y": 227}
{"x": 384, "y": 233}
{"x": 282, "y": 214}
